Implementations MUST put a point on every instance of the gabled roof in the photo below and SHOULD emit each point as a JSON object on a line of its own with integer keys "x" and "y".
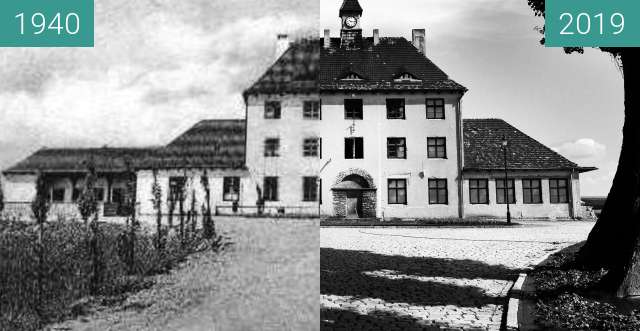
{"x": 208, "y": 144}
{"x": 296, "y": 71}
{"x": 350, "y": 6}
{"x": 483, "y": 149}
{"x": 381, "y": 64}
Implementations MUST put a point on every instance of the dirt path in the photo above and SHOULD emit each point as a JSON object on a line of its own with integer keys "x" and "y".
{"x": 268, "y": 280}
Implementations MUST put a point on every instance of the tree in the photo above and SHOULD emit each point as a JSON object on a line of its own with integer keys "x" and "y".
{"x": 613, "y": 243}
{"x": 156, "y": 200}
{"x": 207, "y": 220}
{"x": 40, "y": 208}
{"x": 130, "y": 206}
{"x": 88, "y": 208}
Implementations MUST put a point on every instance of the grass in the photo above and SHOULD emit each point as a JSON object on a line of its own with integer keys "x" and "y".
{"x": 66, "y": 271}
{"x": 569, "y": 297}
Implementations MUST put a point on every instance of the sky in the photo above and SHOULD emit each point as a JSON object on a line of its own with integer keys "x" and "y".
{"x": 159, "y": 66}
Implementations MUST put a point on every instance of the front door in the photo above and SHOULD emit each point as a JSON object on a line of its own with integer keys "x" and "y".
{"x": 353, "y": 205}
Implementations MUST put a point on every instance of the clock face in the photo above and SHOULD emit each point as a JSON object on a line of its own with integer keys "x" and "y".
{"x": 351, "y": 21}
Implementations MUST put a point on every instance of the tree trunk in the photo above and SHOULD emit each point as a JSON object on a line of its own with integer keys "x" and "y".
{"x": 614, "y": 238}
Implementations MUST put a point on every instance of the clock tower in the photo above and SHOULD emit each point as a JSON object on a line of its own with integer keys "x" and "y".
{"x": 351, "y": 33}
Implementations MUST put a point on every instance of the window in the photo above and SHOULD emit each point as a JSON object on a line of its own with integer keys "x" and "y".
{"x": 438, "y": 191}
{"x": 176, "y": 187}
{"x": 406, "y": 77}
{"x": 57, "y": 195}
{"x": 500, "y": 191}
{"x": 531, "y": 192}
{"x": 99, "y": 193}
{"x": 75, "y": 194}
{"x": 397, "y": 191}
{"x": 395, "y": 109}
{"x": 353, "y": 109}
{"x": 117, "y": 195}
{"x": 396, "y": 148}
{"x": 310, "y": 188}
{"x": 479, "y": 191}
{"x": 558, "y": 191}
{"x": 311, "y": 110}
{"x": 231, "y": 188}
{"x": 272, "y": 109}
{"x": 437, "y": 148}
{"x": 311, "y": 147}
{"x": 270, "y": 189}
{"x": 271, "y": 147}
{"x": 435, "y": 108}
{"x": 353, "y": 148}
{"x": 352, "y": 76}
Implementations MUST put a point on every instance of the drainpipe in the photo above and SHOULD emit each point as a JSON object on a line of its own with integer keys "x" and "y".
{"x": 460, "y": 146}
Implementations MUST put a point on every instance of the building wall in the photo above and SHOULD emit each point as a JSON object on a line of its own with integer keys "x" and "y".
{"x": 291, "y": 166}
{"x": 521, "y": 210}
{"x": 216, "y": 178}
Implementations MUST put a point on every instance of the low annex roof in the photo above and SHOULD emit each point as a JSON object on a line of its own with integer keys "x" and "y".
{"x": 483, "y": 149}
{"x": 208, "y": 144}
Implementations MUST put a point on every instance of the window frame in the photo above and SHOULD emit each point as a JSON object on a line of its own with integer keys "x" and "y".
{"x": 477, "y": 189}
{"x": 530, "y": 189}
{"x": 317, "y": 147}
{"x": 354, "y": 154}
{"x": 314, "y": 112}
{"x": 230, "y": 182}
{"x": 273, "y": 190}
{"x": 435, "y": 107}
{"x": 277, "y": 109}
{"x": 395, "y": 189}
{"x": 508, "y": 191}
{"x": 438, "y": 189}
{"x": 556, "y": 198}
{"x": 397, "y": 147}
{"x": 271, "y": 147}
{"x": 351, "y": 114}
{"x": 437, "y": 147}
{"x": 401, "y": 107}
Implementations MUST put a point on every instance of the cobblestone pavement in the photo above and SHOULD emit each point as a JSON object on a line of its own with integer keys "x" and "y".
{"x": 429, "y": 278}
{"x": 267, "y": 280}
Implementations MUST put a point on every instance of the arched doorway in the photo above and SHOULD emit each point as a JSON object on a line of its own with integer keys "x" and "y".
{"x": 354, "y": 195}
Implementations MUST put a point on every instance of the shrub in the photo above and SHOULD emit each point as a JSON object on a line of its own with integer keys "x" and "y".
{"x": 67, "y": 269}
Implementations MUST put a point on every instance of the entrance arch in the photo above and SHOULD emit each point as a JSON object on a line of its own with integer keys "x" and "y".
{"x": 354, "y": 194}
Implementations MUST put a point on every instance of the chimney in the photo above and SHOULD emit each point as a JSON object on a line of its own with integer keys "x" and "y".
{"x": 417, "y": 36}
{"x": 376, "y": 36}
{"x": 282, "y": 45}
{"x": 327, "y": 38}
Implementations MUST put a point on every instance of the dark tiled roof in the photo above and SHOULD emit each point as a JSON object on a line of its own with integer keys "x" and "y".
{"x": 306, "y": 67}
{"x": 210, "y": 144}
{"x": 106, "y": 159}
{"x": 296, "y": 71}
{"x": 350, "y": 6}
{"x": 379, "y": 65}
{"x": 483, "y": 148}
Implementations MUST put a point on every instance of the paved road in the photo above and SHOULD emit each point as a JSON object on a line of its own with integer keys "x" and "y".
{"x": 268, "y": 280}
{"x": 429, "y": 278}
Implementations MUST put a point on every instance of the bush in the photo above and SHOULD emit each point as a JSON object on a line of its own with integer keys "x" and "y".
{"x": 67, "y": 269}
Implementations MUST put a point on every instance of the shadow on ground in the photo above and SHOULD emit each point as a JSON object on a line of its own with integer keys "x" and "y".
{"x": 348, "y": 273}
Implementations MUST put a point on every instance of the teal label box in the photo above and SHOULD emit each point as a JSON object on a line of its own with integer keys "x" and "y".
{"x": 592, "y": 23}
{"x": 46, "y": 23}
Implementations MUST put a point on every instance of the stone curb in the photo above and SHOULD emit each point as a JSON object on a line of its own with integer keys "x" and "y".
{"x": 519, "y": 308}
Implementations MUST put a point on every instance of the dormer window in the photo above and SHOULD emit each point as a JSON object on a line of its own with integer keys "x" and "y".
{"x": 352, "y": 76}
{"x": 407, "y": 77}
